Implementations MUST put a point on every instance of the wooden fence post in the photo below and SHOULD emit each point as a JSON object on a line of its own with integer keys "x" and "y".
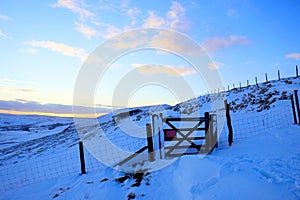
{"x": 256, "y": 81}
{"x": 266, "y": 75}
{"x": 297, "y": 104}
{"x": 247, "y": 83}
{"x": 150, "y": 142}
{"x": 82, "y": 161}
{"x": 240, "y": 86}
{"x": 297, "y": 71}
{"x": 293, "y": 109}
{"x": 230, "y": 131}
{"x": 278, "y": 75}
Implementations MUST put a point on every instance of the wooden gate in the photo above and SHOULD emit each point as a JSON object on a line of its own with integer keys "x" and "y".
{"x": 195, "y": 135}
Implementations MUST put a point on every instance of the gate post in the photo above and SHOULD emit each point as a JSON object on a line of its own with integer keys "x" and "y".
{"x": 207, "y": 133}
{"x": 150, "y": 142}
{"x": 214, "y": 135}
{"x": 158, "y": 136}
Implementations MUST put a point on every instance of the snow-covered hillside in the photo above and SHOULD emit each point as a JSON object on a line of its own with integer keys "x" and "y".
{"x": 39, "y": 155}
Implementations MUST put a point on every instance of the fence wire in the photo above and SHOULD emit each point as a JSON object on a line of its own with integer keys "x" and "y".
{"x": 35, "y": 170}
{"x": 250, "y": 124}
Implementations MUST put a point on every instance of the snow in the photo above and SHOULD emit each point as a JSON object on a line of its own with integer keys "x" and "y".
{"x": 16, "y": 129}
{"x": 249, "y": 169}
{"x": 263, "y": 163}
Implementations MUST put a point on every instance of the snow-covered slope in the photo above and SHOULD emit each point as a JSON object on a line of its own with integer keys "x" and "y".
{"x": 39, "y": 155}
{"x": 262, "y": 167}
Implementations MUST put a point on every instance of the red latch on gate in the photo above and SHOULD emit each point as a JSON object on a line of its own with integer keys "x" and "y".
{"x": 169, "y": 134}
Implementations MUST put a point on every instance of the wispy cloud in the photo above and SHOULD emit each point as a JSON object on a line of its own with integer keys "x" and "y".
{"x": 15, "y": 83}
{"x": 60, "y": 48}
{"x": 295, "y": 56}
{"x": 152, "y": 69}
{"x": 107, "y": 30}
{"x": 174, "y": 18}
{"x": 215, "y": 65}
{"x": 76, "y": 7}
{"x": 32, "y": 106}
{"x": 154, "y": 21}
{"x": 215, "y": 44}
{"x": 87, "y": 31}
{"x": 29, "y": 50}
{"x": 4, "y": 18}
{"x": 18, "y": 90}
{"x": 125, "y": 4}
{"x": 8, "y": 81}
{"x": 3, "y": 35}
{"x": 26, "y": 90}
{"x": 232, "y": 13}
{"x": 173, "y": 41}
{"x": 133, "y": 13}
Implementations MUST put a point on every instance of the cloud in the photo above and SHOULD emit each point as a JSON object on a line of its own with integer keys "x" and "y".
{"x": 174, "y": 18}
{"x": 107, "y": 30}
{"x": 128, "y": 40}
{"x": 4, "y": 18}
{"x": 154, "y": 21}
{"x": 22, "y": 90}
{"x": 124, "y": 4}
{"x": 87, "y": 31}
{"x": 60, "y": 48}
{"x": 215, "y": 65}
{"x": 32, "y": 106}
{"x": 175, "y": 42}
{"x": 132, "y": 13}
{"x": 15, "y": 83}
{"x": 76, "y": 7}
{"x": 166, "y": 40}
{"x": 29, "y": 50}
{"x": 152, "y": 69}
{"x": 215, "y": 44}
{"x": 8, "y": 81}
{"x": 295, "y": 56}
{"x": 232, "y": 13}
{"x": 3, "y": 35}
{"x": 18, "y": 90}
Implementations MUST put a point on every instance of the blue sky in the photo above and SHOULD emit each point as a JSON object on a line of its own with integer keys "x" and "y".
{"x": 44, "y": 44}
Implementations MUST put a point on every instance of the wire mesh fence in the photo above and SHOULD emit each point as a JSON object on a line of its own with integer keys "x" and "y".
{"x": 41, "y": 169}
{"x": 245, "y": 125}
{"x": 249, "y": 124}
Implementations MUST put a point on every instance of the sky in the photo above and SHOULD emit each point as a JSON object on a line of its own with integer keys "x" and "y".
{"x": 44, "y": 45}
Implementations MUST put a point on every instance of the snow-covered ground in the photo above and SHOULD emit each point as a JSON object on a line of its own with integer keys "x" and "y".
{"x": 263, "y": 167}
{"x": 39, "y": 155}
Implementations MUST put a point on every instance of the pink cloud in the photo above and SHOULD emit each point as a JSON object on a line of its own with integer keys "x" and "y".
{"x": 295, "y": 56}
{"x": 215, "y": 44}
